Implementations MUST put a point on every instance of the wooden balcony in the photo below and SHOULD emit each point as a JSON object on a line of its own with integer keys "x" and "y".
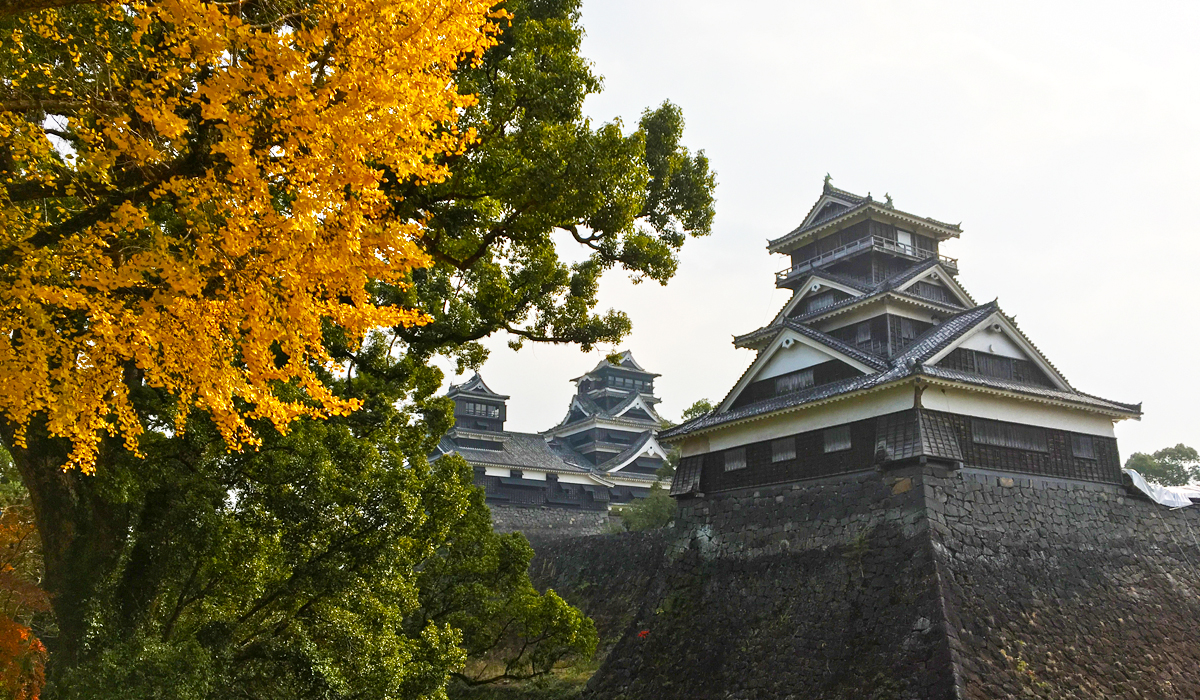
{"x": 878, "y": 243}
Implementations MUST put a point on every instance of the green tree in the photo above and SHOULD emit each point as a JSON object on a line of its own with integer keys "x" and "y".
{"x": 1170, "y": 466}
{"x": 540, "y": 169}
{"x": 656, "y": 510}
{"x": 697, "y": 409}
{"x": 334, "y": 561}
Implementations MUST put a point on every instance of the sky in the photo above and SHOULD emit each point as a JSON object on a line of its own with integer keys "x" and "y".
{"x": 1064, "y": 136}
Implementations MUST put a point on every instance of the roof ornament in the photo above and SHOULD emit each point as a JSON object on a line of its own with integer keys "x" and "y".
{"x": 888, "y": 197}
{"x": 828, "y": 180}
{"x": 868, "y": 198}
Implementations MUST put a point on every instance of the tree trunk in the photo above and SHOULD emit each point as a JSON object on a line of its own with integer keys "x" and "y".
{"x": 81, "y": 534}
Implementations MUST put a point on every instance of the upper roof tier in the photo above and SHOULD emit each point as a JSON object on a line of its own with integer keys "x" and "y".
{"x": 476, "y": 388}
{"x": 837, "y": 209}
{"x": 624, "y": 362}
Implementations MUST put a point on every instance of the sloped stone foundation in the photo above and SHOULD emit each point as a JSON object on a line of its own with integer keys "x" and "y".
{"x": 920, "y": 583}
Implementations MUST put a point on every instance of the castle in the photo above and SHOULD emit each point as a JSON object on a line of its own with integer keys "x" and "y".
{"x": 605, "y": 451}
{"x": 879, "y": 359}
{"x": 900, "y": 499}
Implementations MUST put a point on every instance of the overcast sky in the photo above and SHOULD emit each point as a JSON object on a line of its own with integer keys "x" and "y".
{"x": 1064, "y": 137}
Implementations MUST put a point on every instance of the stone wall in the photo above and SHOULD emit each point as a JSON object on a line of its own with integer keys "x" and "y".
{"x": 918, "y": 583}
{"x": 541, "y": 523}
{"x": 1060, "y": 589}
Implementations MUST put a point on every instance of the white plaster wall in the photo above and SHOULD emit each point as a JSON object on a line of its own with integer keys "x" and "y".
{"x": 694, "y": 446}
{"x": 815, "y": 418}
{"x": 1016, "y": 411}
{"x": 871, "y": 311}
{"x": 497, "y": 471}
{"x": 575, "y": 479}
{"x": 987, "y": 340}
{"x": 791, "y": 359}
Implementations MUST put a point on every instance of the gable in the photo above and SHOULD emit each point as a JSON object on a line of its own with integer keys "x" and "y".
{"x": 935, "y": 283}
{"x": 789, "y": 354}
{"x": 995, "y": 348}
{"x": 826, "y": 208}
{"x": 636, "y": 414}
{"x": 791, "y": 358}
{"x": 815, "y": 285}
{"x": 994, "y": 343}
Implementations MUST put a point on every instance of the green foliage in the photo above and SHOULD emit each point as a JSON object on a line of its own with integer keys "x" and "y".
{"x": 334, "y": 562}
{"x": 1170, "y": 466}
{"x": 700, "y": 408}
{"x": 650, "y": 513}
{"x": 540, "y": 170}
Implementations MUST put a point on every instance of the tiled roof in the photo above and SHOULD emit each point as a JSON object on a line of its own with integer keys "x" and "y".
{"x": 839, "y": 345}
{"x": 908, "y": 363}
{"x": 859, "y": 203}
{"x": 872, "y": 293}
{"x": 1029, "y": 389}
{"x": 612, "y": 462}
{"x": 520, "y": 450}
{"x": 474, "y": 385}
{"x": 868, "y": 298}
{"x": 591, "y": 409}
{"x": 935, "y": 339}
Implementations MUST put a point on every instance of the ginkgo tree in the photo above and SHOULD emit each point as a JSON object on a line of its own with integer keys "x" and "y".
{"x": 191, "y": 190}
{"x": 424, "y": 196}
{"x": 190, "y": 201}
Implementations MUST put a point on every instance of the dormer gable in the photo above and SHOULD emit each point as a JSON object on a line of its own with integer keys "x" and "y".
{"x": 795, "y": 359}
{"x": 638, "y": 409}
{"x": 648, "y": 446}
{"x": 816, "y": 287}
{"x": 938, "y": 285}
{"x": 831, "y": 203}
{"x": 996, "y": 348}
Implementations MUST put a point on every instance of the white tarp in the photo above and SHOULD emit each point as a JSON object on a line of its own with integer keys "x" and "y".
{"x": 1159, "y": 494}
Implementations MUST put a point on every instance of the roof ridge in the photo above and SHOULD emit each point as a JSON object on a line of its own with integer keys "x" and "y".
{"x": 840, "y": 345}
{"x": 915, "y": 352}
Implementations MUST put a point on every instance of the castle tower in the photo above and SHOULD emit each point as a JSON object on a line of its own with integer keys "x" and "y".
{"x": 881, "y": 358}
{"x": 612, "y": 422}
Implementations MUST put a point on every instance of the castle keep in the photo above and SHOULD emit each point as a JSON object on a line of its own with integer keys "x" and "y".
{"x": 900, "y": 499}
{"x": 881, "y": 359}
{"x": 563, "y": 481}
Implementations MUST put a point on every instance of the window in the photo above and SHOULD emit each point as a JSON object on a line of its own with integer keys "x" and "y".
{"x": 931, "y": 291}
{"x": 735, "y": 459}
{"x": 820, "y": 301}
{"x": 1083, "y": 446}
{"x": 994, "y": 365}
{"x": 470, "y": 408}
{"x": 908, "y": 330}
{"x": 837, "y": 439}
{"x": 793, "y": 381}
{"x": 783, "y": 449}
{"x": 904, "y": 239}
{"x": 862, "y": 334}
{"x": 1021, "y": 437}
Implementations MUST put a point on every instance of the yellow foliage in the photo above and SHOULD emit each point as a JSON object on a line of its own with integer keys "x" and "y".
{"x": 207, "y": 198}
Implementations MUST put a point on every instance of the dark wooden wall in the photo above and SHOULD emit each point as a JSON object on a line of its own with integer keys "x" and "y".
{"x": 706, "y": 473}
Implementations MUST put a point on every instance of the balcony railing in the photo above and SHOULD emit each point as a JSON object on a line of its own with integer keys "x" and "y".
{"x": 864, "y": 243}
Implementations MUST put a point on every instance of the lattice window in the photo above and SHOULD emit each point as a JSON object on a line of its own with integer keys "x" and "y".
{"x": 783, "y": 449}
{"x": 471, "y": 408}
{"x": 1021, "y": 437}
{"x": 1083, "y": 446}
{"x": 862, "y": 334}
{"x": 735, "y": 459}
{"x": 837, "y": 439}
{"x": 793, "y": 381}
